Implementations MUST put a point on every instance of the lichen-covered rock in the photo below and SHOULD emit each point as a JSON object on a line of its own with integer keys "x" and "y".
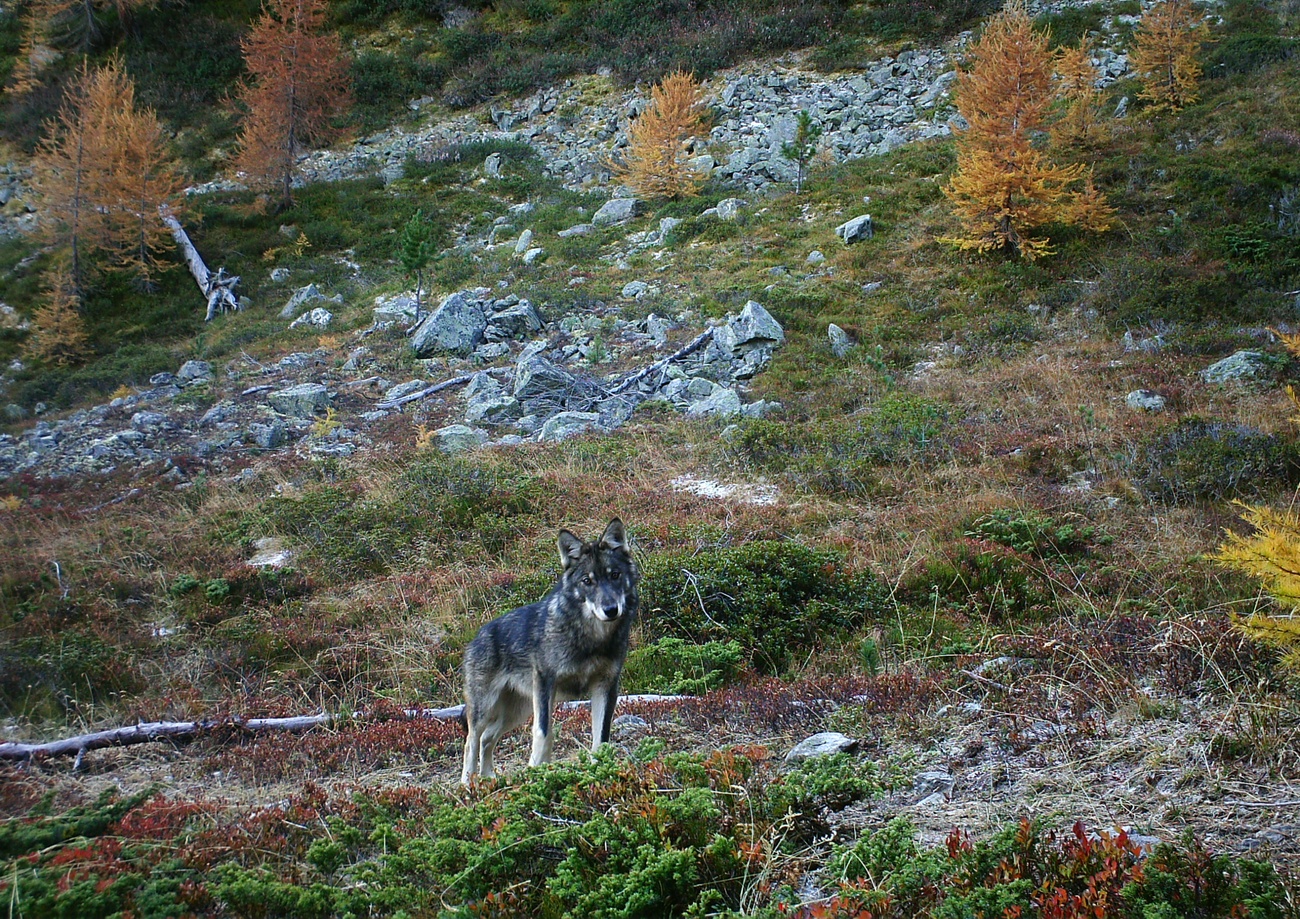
{"x": 852, "y": 231}
{"x": 1243, "y": 365}
{"x": 457, "y": 438}
{"x": 305, "y": 400}
{"x": 193, "y": 373}
{"x": 827, "y": 743}
{"x": 564, "y": 425}
{"x": 616, "y": 210}
{"x": 457, "y": 325}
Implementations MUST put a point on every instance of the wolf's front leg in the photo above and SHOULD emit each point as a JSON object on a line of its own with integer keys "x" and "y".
{"x": 603, "y": 700}
{"x": 543, "y": 726}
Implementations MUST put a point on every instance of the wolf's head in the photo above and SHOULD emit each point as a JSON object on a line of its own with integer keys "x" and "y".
{"x": 601, "y": 575}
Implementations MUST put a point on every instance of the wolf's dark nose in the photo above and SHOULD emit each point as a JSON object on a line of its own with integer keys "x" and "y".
{"x": 611, "y": 612}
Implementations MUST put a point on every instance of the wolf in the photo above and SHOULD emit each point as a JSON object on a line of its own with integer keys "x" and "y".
{"x": 571, "y": 644}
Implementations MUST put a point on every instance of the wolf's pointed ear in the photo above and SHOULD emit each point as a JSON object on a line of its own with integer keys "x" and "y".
{"x": 614, "y": 537}
{"x": 570, "y": 549}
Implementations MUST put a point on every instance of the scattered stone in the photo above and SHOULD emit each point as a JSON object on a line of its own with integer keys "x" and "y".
{"x": 841, "y": 344}
{"x": 852, "y": 231}
{"x": 564, "y": 425}
{"x": 815, "y": 258}
{"x": 457, "y": 325}
{"x": 934, "y": 782}
{"x": 721, "y": 403}
{"x": 302, "y": 401}
{"x": 630, "y": 724}
{"x": 1149, "y": 345}
{"x": 148, "y": 421}
{"x": 1144, "y": 400}
{"x": 729, "y": 208}
{"x": 616, "y": 210}
{"x": 542, "y": 385}
{"x": 279, "y": 275}
{"x": 457, "y": 438}
{"x": 635, "y": 290}
{"x": 580, "y": 229}
{"x": 400, "y": 308}
{"x": 193, "y": 373}
{"x": 492, "y": 165}
{"x": 267, "y": 436}
{"x": 533, "y": 255}
{"x": 318, "y": 317}
{"x": 220, "y": 413}
{"x": 524, "y": 243}
{"x": 162, "y": 379}
{"x": 301, "y": 297}
{"x": 271, "y": 553}
{"x": 827, "y": 743}
{"x": 1243, "y": 365}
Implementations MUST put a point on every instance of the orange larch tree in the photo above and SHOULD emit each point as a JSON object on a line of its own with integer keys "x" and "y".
{"x": 299, "y": 85}
{"x": 59, "y": 333}
{"x": 145, "y": 179}
{"x": 72, "y": 169}
{"x": 1005, "y": 187}
{"x": 1080, "y": 124}
{"x": 104, "y": 171}
{"x": 1164, "y": 53}
{"x": 656, "y": 164}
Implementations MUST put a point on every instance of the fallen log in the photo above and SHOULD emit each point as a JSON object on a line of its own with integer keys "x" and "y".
{"x": 151, "y": 731}
{"x": 218, "y": 289}
{"x": 427, "y": 391}
{"x": 696, "y": 344}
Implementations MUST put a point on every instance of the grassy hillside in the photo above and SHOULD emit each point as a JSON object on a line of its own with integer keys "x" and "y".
{"x": 980, "y": 561}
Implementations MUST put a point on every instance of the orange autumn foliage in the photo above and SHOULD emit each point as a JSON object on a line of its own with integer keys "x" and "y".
{"x": 656, "y": 164}
{"x": 1164, "y": 54}
{"x": 1080, "y": 124}
{"x": 1005, "y": 187}
{"x": 299, "y": 84}
{"x": 59, "y": 334}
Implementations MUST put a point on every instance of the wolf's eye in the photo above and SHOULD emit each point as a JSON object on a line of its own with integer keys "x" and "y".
{"x": 614, "y": 576}
{"x": 588, "y": 580}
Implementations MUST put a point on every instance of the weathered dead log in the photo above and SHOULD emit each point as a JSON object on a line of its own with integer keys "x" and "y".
{"x": 427, "y": 391}
{"x": 148, "y": 732}
{"x": 696, "y": 344}
{"x": 218, "y": 289}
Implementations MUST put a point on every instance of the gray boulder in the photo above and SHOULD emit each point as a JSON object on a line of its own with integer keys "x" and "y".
{"x": 515, "y": 321}
{"x": 568, "y": 424}
{"x": 1144, "y": 400}
{"x": 827, "y": 743}
{"x": 457, "y": 438}
{"x": 398, "y": 308}
{"x": 933, "y": 782}
{"x": 635, "y": 290}
{"x": 457, "y": 325}
{"x": 493, "y": 409}
{"x": 301, "y": 297}
{"x": 1244, "y": 365}
{"x": 580, "y": 229}
{"x": 722, "y": 403}
{"x": 524, "y": 243}
{"x": 616, "y": 210}
{"x": 753, "y": 328}
{"x": 532, "y": 255}
{"x": 856, "y": 229}
{"x": 841, "y": 344}
{"x": 403, "y": 389}
{"x": 193, "y": 373}
{"x": 267, "y": 436}
{"x": 542, "y": 385}
{"x": 729, "y": 208}
{"x": 321, "y": 318}
{"x": 302, "y": 401}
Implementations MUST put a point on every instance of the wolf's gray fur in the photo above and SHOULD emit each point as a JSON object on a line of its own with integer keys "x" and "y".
{"x": 571, "y": 644}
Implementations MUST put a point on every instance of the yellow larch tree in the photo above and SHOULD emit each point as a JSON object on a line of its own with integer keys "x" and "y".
{"x": 1080, "y": 124}
{"x": 59, "y": 333}
{"x": 656, "y": 164}
{"x": 1005, "y": 187}
{"x": 1271, "y": 555}
{"x": 1164, "y": 52}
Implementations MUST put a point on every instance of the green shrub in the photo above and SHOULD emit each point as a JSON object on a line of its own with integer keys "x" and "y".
{"x": 779, "y": 600}
{"x": 673, "y": 665}
{"x": 1198, "y": 460}
{"x": 1035, "y": 534}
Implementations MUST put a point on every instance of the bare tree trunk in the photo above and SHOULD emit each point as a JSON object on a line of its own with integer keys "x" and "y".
{"x": 217, "y": 288}
{"x": 146, "y": 732}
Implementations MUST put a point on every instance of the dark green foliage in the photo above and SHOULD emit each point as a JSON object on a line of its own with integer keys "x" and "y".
{"x": 929, "y": 19}
{"x": 1036, "y": 534}
{"x": 1251, "y": 40}
{"x": 38, "y": 830}
{"x": 826, "y": 783}
{"x": 803, "y": 147}
{"x": 384, "y": 83}
{"x": 1070, "y": 24}
{"x": 1198, "y": 460}
{"x": 414, "y": 249}
{"x": 673, "y": 665}
{"x": 779, "y": 600}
